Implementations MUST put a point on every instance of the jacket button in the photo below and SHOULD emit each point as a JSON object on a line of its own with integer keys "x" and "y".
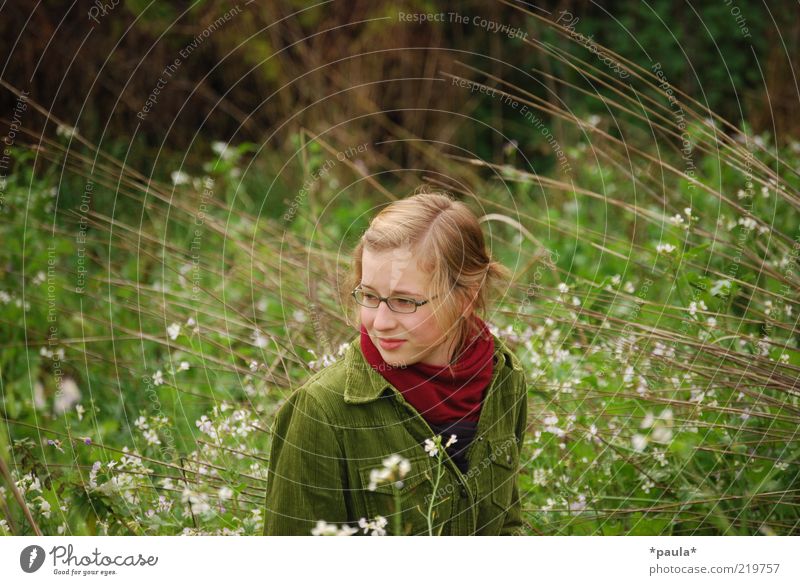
{"x": 508, "y": 458}
{"x": 463, "y": 492}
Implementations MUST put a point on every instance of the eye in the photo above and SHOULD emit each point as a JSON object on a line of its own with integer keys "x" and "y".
{"x": 369, "y": 296}
{"x": 403, "y": 303}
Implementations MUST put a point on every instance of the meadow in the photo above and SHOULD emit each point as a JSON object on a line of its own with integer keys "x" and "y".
{"x": 153, "y": 321}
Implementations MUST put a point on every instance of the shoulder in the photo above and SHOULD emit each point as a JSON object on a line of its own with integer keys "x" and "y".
{"x": 509, "y": 361}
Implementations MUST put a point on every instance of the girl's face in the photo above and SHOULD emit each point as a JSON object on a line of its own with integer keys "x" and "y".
{"x": 395, "y": 273}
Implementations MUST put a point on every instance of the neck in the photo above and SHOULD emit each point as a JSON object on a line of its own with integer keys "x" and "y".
{"x": 461, "y": 336}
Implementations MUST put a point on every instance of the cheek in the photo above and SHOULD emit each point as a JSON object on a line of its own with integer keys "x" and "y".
{"x": 422, "y": 329}
{"x": 366, "y": 320}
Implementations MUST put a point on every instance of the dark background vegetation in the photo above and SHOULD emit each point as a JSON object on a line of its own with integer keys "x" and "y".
{"x": 236, "y": 88}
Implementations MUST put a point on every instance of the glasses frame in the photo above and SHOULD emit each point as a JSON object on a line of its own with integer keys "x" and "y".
{"x": 417, "y": 304}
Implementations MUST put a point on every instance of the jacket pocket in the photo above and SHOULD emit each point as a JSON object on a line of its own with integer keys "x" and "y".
{"x": 504, "y": 455}
{"x": 415, "y": 496}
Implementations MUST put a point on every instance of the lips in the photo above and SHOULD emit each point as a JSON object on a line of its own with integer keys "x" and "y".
{"x": 391, "y": 343}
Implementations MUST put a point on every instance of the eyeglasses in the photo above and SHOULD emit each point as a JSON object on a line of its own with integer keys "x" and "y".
{"x": 396, "y": 304}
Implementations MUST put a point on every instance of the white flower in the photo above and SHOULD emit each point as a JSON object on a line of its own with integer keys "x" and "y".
{"x": 225, "y": 493}
{"x": 639, "y": 442}
{"x": 68, "y": 394}
{"x": 197, "y": 501}
{"x": 205, "y": 426}
{"x": 158, "y": 378}
{"x": 720, "y": 287}
{"x": 225, "y": 151}
{"x": 79, "y": 410}
{"x": 259, "y": 340}
{"x": 324, "y": 529}
{"x": 65, "y": 131}
{"x": 627, "y": 377}
{"x": 164, "y": 504}
{"x": 30, "y": 483}
{"x": 550, "y": 421}
{"x": 662, "y": 434}
{"x": 173, "y": 331}
{"x": 676, "y": 219}
{"x": 688, "y": 212}
{"x": 183, "y": 366}
{"x": 299, "y": 316}
{"x": 431, "y": 448}
{"x": 579, "y": 506}
{"x": 693, "y": 308}
{"x": 663, "y": 350}
{"x": 151, "y": 437}
{"x": 93, "y": 474}
{"x": 377, "y": 526}
{"x": 665, "y": 248}
{"x": 399, "y": 464}
{"x": 563, "y": 288}
{"x": 44, "y": 507}
{"x": 394, "y": 469}
{"x": 450, "y": 441}
{"x": 179, "y": 178}
{"x": 141, "y": 423}
{"x": 747, "y": 223}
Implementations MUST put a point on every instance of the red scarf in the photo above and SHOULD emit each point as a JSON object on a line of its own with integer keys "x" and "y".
{"x": 441, "y": 394}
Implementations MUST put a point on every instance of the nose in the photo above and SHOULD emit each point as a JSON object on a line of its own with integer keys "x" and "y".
{"x": 384, "y": 318}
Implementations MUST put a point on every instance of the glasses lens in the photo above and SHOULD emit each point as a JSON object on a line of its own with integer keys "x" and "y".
{"x": 401, "y": 305}
{"x": 366, "y": 299}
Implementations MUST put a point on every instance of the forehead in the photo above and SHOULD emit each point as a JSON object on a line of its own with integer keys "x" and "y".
{"x": 393, "y": 271}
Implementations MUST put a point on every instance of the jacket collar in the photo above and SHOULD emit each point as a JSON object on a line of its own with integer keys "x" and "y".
{"x": 364, "y": 384}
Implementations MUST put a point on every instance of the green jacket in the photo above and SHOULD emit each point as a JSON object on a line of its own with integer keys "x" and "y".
{"x": 332, "y": 431}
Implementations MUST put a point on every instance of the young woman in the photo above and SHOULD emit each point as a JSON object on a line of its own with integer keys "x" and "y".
{"x": 354, "y": 447}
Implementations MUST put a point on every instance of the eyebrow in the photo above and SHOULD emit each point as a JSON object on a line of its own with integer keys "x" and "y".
{"x": 401, "y": 292}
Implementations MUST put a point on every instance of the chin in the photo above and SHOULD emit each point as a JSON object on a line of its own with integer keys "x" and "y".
{"x": 394, "y": 361}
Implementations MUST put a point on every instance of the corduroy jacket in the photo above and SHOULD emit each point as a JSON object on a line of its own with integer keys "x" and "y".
{"x": 346, "y": 419}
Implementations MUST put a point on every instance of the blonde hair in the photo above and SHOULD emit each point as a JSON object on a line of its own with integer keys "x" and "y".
{"x": 446, "y": 241}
